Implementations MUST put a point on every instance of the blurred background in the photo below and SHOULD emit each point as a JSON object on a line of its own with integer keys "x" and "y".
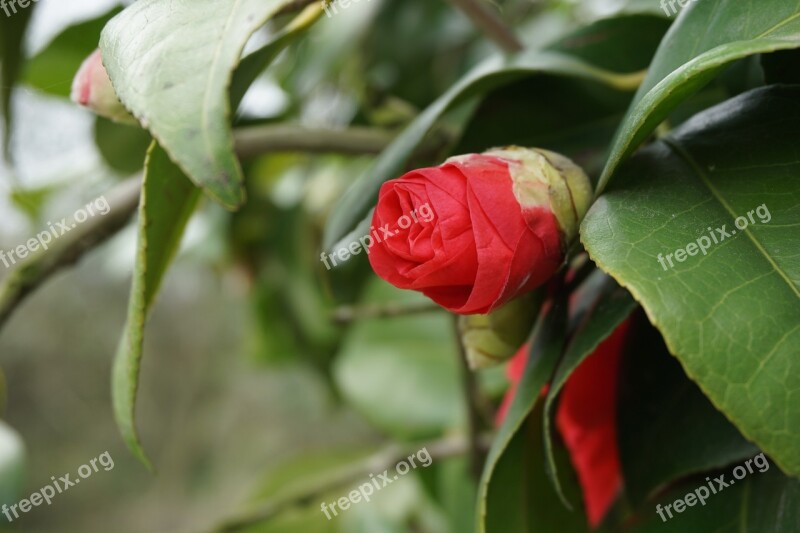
{"x": 254, "y": 385}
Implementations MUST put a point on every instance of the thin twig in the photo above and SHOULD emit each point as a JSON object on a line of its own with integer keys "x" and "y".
{"x": 348, "y": 313}
{"x": 257, "y": 140}
{"x": 374, "y": 464}
{"x": 476, "y": 455}
{"x": 254, "y": 141}
{"x": 490, "y": 24}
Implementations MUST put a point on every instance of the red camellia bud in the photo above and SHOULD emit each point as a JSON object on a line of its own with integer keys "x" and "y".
{"x": 92, "y": 88}
{"x": 500, "y": 225}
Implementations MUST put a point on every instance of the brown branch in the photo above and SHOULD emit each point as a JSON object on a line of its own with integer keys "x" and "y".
{"x": 471, "y": 394}
{"x": 124, "y": 199}
{"x": 69, "y": 248}
{"x": 490, "y": 24}
{"x": 256, "y": 140}
{"x": 347, "y": 313}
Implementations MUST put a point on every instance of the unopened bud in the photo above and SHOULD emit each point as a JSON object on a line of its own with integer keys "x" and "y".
{"x": 542, "y": 178}
{"x": 491, "y": 339}
{"x": 92, "y": 88}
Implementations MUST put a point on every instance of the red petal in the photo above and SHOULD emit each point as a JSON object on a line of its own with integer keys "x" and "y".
{"x": 586, "y": 419}
{"x": 514, "y": 371}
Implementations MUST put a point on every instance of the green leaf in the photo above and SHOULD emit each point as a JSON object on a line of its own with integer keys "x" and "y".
{"x": 122, "y": 146}
{"x": 489, "y": 75}
{"x": 171, "y": 64}
{"x": 729, "y": 315}
{"x": 402, "y": 373}
{"x": 455, "y": 489}
{"x": 706, "y": 37}
{"x": 13, "y": 27}
{"x": 162, "y": 221}
{"x": 520, "y": 498}
{"x": 254, "y": 64}
{"x": 167, "y": 202}
{"x": 500, "y": 509}
{"x": 32, "y": 200}
{"x": 660, "y": 410}
{"x": 571, "y": 116}
{"x": 52, "y": 70}
{"x": 611, "y": 308}
{"x": 625, "y": 43}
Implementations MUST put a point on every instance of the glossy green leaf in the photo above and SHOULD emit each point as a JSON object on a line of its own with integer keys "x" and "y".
{"x": 167, "y": 202}
{"x": 707, "y": 36}
{"x": 171, "y": 64}
{"x": 660, "y": 410}
{"x": 491, "y": 74}
{"x": 571, "y": 116}
{"x": 613, "y": 305}
{"x": 520, "y": 497}
{"x": 731, "y": 314}
{"x": 497, "y": 512}
{"x": 52, "y": 70}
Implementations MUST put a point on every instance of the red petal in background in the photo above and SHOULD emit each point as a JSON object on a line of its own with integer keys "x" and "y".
{"x": 514, "y": 372}
{"x": 587, "y": 421}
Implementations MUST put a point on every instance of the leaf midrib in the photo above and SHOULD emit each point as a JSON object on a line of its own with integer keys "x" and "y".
{"x": 779, "y": 25}
{"x": 684, "y": 154}
{"x": 211, "y": 77}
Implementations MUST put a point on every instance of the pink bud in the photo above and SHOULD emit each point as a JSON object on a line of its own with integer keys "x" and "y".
{"x": 92, "y": 88}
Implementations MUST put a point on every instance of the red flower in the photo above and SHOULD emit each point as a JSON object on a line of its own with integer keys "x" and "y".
{"x": 501, "y": 223}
